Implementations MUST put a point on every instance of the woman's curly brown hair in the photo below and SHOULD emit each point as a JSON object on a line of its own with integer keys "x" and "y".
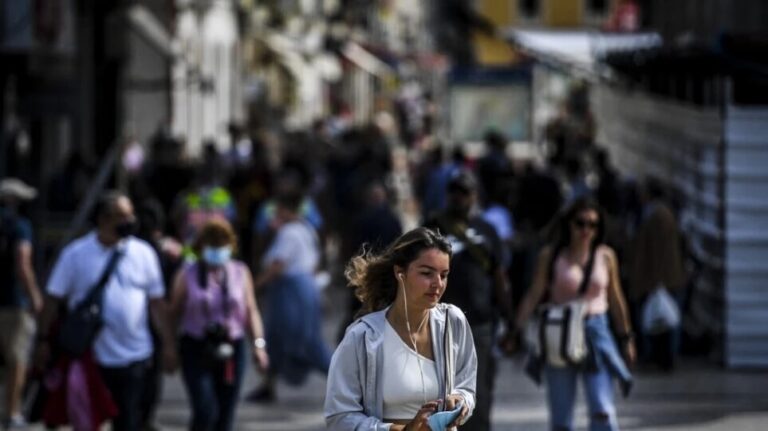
{"x": 372, "y": 275}
{"x": 216, "y": 232}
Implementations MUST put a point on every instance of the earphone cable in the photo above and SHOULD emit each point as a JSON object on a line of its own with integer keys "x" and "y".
{"x": 413, "y": 340}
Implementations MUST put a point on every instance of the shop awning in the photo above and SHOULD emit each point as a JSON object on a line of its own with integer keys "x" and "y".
{"x": 148, "y": 26}
{"x": 579, "y": 51}
{"x": 366, "y": 61}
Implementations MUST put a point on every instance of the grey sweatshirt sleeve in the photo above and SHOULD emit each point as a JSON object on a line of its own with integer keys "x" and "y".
{"x": 344, "y": 409}
{"x": 466, "y": 359}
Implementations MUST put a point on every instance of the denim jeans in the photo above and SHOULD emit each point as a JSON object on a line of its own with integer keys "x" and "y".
{"x": 213, "y": 397}
{"x": 605, "y": 364}
{"x": 561, "y": 398}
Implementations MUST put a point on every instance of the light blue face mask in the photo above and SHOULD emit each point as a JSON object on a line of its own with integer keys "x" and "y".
{"x": 439, "y": 421}
{"x": 217, "y": 256}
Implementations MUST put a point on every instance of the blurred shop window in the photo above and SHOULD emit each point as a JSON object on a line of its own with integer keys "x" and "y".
{"x": 17, "y": 24}
{"x": 625, "y": 17}
{"x": 597, "y": 7}
{"x": 530, "y": 8}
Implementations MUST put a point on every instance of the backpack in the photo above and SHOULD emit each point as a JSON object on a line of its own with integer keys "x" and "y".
{"x": 473, "y": 283}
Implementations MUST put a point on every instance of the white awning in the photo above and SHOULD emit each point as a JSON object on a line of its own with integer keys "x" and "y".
{"x": 580, "y": 51}
{"x": 149, "y": 27}
{"x": 366, "y": 61}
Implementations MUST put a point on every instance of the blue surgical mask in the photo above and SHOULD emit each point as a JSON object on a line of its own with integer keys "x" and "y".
{"x": 217, "y": 256}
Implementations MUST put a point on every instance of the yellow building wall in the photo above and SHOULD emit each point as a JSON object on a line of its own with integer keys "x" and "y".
{"x": 495, "y": 51}
{"x": 563, "y": 13}
{"x": 553, "y": 14}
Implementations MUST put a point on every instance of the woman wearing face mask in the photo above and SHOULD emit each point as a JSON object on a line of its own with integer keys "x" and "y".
{"x": 292, "y": 303}
{"x": 392, "y": 370}
{"x": 214, "y": 310}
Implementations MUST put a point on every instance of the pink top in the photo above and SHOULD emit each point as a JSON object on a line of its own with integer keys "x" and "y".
{"x": 567, "y": 280}
{"x": 196, "y": 318}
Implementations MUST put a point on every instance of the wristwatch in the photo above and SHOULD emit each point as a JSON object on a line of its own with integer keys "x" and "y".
{"x": 259, "y": 343}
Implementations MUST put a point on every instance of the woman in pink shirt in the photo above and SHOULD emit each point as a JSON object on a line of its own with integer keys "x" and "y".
{"x": 214, "y": 310}
{"x": 560, "y": 270}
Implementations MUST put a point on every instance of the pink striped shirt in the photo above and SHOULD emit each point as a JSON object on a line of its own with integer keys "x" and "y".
{"x": 204, "y": 306}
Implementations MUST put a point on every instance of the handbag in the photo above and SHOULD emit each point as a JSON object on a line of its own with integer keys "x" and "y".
{"x": 440, "y": 420}
{"x": 450, "y": 366}
{"x": 660, "y": 312}
{"x": 557, "y": 334}
{"x": 82, "y": 324}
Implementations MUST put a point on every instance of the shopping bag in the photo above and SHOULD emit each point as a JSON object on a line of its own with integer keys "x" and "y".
{"x": 660, "y": 312}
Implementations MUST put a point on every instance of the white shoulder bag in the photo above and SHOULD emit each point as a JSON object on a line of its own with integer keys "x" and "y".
{"x": 557, "y": 333}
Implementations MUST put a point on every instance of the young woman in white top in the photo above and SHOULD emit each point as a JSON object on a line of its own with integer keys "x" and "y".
{"x": 391, "y": 370}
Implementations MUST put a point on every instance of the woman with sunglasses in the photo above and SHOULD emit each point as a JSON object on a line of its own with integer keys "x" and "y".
{"x": 558, "y": 279}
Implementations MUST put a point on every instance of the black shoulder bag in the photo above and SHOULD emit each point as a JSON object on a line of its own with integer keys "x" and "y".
{"x": 80, "y": 326}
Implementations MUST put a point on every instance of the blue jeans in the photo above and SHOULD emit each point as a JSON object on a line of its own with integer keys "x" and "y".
{"x": 561, "y": 397}
{"x": 213, "y": 397}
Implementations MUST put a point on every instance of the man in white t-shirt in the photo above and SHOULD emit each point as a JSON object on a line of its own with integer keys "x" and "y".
{"x": 132, "y": 295}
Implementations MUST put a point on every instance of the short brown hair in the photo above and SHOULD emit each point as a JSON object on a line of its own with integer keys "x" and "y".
{"x": 216, "y": 232}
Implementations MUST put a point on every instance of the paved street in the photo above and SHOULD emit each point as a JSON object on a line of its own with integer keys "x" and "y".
{"x": 698, "y": 396}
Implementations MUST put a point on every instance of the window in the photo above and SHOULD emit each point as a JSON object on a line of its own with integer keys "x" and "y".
{"x": 529, "y": 8}
{"x": 597, "y": 7}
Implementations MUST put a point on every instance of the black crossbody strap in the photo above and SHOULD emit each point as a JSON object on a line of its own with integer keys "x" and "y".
{"x": 587, "y": 273}
{"x": 98, "y": 289}
{"x": 202, "y": 271}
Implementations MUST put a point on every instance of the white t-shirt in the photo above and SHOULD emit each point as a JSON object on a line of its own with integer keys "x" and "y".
{"x": 296, "y": 245}
{"x": 125, "y": 337}
{"x": 402, "y": 383}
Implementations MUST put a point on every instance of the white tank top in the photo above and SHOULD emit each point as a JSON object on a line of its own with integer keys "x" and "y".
{"x": 402, "y": 391}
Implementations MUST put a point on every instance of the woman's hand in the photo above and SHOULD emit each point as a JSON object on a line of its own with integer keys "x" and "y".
{"x": 450, "y": 403}
{"x": 420, "y": 421}
{"x": 629, "y": 352}
{"x": 261, "y": 359}
{"x": 510, "y": 342}
{"x": 170, "y": 359}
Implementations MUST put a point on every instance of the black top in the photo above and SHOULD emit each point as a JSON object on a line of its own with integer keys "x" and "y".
{"x": 477, "y": 254}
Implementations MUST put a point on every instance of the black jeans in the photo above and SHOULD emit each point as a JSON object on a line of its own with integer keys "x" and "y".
{"x": 153, "y": 383}
{"x": 486, "y": 373}
{"x": 126, "y": 384}
{"x": 213, "y": 398}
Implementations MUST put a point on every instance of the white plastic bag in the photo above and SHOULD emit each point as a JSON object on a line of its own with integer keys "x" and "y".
{"x": 660, "y": 312}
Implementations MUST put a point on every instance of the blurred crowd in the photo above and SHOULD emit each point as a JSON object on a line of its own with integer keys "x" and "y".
{"x": 299, "y": 205}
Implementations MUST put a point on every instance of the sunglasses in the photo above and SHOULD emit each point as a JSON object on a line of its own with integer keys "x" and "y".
{"x": 585, "y": 224}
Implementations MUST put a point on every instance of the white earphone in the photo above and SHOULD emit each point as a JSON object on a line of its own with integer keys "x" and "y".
{"x": 413, "y": 340}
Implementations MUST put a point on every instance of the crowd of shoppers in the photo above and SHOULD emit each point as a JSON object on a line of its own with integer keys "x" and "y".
{"x": 178, "y": 274}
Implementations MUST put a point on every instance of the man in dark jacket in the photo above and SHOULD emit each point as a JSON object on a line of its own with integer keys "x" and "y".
{"x": 477, "y": 282}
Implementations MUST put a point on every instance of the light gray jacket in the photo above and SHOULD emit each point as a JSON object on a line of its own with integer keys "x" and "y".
{"x": 353, "y": 400}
